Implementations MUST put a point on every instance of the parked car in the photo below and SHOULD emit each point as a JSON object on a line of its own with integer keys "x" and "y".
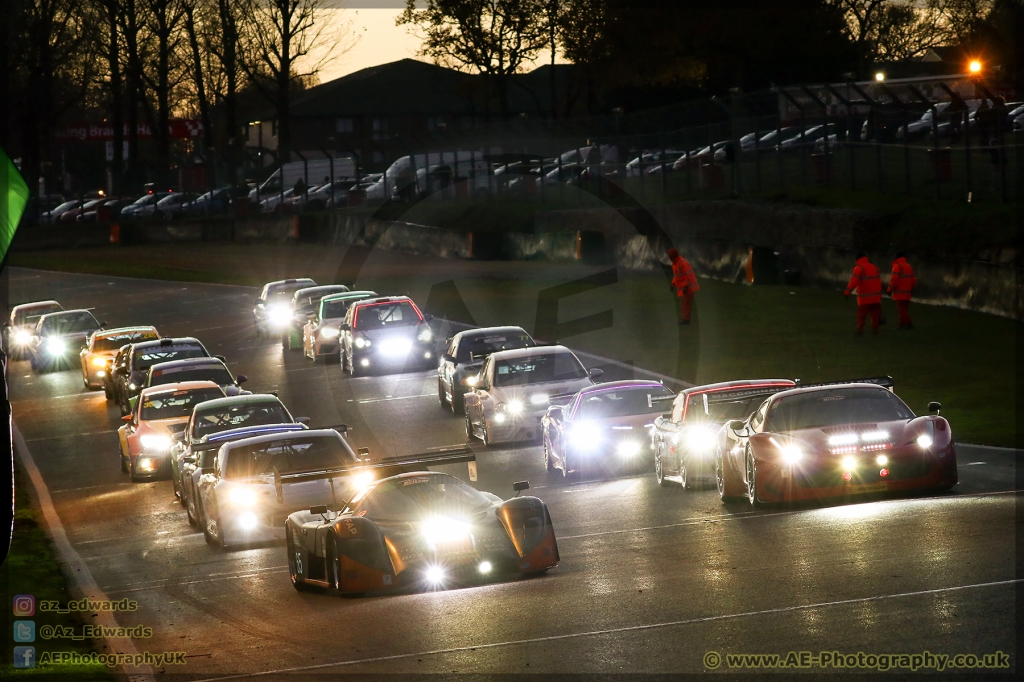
{"x": 71, "y": 215}
{"x": 213, "y": 202}
{"x": 52, "y": 217}
{"x": 173, "y": 205}
{"x": 143, "y": 207}
{"x": 103, "y": 212}
{"x": 273, "y": 203}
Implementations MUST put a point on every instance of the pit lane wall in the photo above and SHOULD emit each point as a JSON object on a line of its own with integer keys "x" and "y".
{"x": 814, "y": 247}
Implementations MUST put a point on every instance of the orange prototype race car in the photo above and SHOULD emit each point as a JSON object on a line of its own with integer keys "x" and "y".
{"x": 160, "y": 412}
{"x": 417, "y": 530}
{"x": 102, "y": 346}
{"x": 834, "y": 440}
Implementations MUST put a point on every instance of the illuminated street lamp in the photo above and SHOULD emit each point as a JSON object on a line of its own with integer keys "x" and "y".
{"x": 879, "y": 76}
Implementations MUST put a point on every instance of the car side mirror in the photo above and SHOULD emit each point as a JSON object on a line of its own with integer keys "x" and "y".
{"x": 259, "y": 301}
{"x": 520, "y": 486}
{"x": 127, "y": 419}
{"x": 241, "y": 379}
{"x": 737, "y": 426}
{"x": 178, "y": 437}
{"x": 934, "y": 407}
{"x": 320, "y": 509}
{"x": 595, "y": 373}
{"x": 345, "y": 326}
{"x": 302, "y": 420}
{"x": 427, "y": 317}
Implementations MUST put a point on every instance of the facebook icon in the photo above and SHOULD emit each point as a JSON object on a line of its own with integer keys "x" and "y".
{"x": 24, "y": 657}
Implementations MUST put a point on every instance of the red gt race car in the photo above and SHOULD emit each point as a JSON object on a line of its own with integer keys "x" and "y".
{"x": 831, "y": 441}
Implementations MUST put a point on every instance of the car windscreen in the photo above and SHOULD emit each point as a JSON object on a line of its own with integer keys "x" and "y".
{"x": 385, "y": 315}
{"x": 146, "y": 358}
{"x": 722, "y": 408}
{"x": 177, "y": 404}
{"x": 30, "y": 314}
{"x": 284, "y": 292}
{"x": 622, "y": 403}
{"x": 217, "y": 375}
{"x": 476, "y": 347}
{"x": 535, "y": 369}
{"x": 116, "y": 341}
{"x": 337, "y": 309}
{"x": 288, "y": 456}
{"x": 238, "y": 416}
{"x": 422, "y": 497}
{"x": 69, "y": 323}
{"x": 834, "y": 407}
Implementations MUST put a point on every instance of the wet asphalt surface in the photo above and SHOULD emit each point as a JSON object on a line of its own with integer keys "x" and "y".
{"x": 651, "y": 578}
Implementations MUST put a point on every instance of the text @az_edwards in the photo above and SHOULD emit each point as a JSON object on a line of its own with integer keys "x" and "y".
{"x": 94, "y": 632}
{"x": 113, "y": 660}
{"x": 864, "y": 661}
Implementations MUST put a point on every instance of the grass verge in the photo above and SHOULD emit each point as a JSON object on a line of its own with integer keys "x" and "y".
{"x": 32, "y": 568}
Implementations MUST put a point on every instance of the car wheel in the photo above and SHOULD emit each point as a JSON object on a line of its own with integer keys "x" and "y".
{"x": 106, "y": 393}
{"x": 486, "y": 437}
{"x": 213, "y": 539}
{"x": 293, "y": 573}
{"x": 354, "y": 370}
{"x": 659, "y": 469}
{"x": 547, "y": 455}
{"x": 440, "y": 395}
{"x": 124, "y": 463}
{"x": 175, "y": 485}
{"x": 752, "y": 480}
{"x": 721, "y": 478}
{"x": 286, "y": 342}
{"x": 469, "y": 428}
{"x": 684, "y": 475}
{"x": 458, "y": 402}
{"x": 190, "y": 511}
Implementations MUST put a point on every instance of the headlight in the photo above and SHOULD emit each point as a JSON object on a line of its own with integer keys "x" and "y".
{"x": 843, "y": 439}
{"x": 700, "y": 438}
{"x": 146, "y": 464}
{"x": 514, "y": 407}
{"x": 362, "y": 343}
{"x": 330, "y": 333}
{"x": 425, "y": 334}
{"x": 395, "y": 347}
{"x": 924, "y": 440}
{"x": 471, "y": 381}
{"x": 881, "y": 460}
{"x": 152, "y": 441}
{"x": 279, "y": 315}
{"x": 242, "y": 496}
{"x": 585, "y": 437}
{"x": 22, "y": 337}
{"x": 132, "y": 386}
{"x": 628, "y": 449}
{"x": 791, "y": 454}
{"x": 56, "y": 346}
{"x": 874, "y": 436}
{"x": 99, "y": 362}
{"x": 248, "y": 521}
{"x": 539, "y": 399}
{"x": 441, "y": 530}
{"x": 849, "y": 463}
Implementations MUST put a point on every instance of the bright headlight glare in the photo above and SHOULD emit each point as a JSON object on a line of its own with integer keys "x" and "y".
{"x": 361, "y": 342}
{"x": 585, "y": 437}
{"x": 791, "y": 454}
{"x": 881, "y": 460}
{"x": 700, "y": 438}
{"x": 484, "y": 567}
{"x": 132, "y": 386}
{"x": 441, "y": 529}
{"x": 146, "y": 464}
{"x": 874, "y": 436}
{"x": 471, "y": 381}
{"x": 242, "y": 496}
{"x": 330, "y": 332}
{"x": 843, "y": 439}
{"x": 21, "y": 337}
{"x": 628, "y": 448}
{"x": 362, "y": 479}
{"x": 514, "y": 406}
{"x": 924, "y": 440}
{"x": 56, "y": 346}
{"x": 849, "y": 463}
{"x": 539, "y": 399}
{"x": 425, "y": 334}
{"x": 248, "y": 521}
{"x": 99, "y": 362}
{"x": 435, "y": 575}
{"x": 153, "y": 441}
{"x": 499, "y": 418}
{"x": 395, "y": 347}
{"x": 279, "y": 315}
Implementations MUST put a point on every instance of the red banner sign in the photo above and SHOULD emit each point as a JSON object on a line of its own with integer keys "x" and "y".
{"x": 179, "y": 129}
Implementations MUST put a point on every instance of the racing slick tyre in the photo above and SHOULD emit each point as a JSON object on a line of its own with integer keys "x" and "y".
{"x": 353, "y": 368}
{"x": 293, "y": 573}
{"x": 441, "y": 397}
{"x": 547, "y": 456}
{"x": 685, "y": 478}
{"x": 752, "y": 480}
{"x": 486, "y": 436}
{"x": 659, "y": 470}
{"x": 215, "y": 540}
{"x": 124, "y": 463}
{"x": 458, "y": 403}
{"x": 469, "y": 428}
{"x": 190, "y": 511}
{"x": 725, "y": 490}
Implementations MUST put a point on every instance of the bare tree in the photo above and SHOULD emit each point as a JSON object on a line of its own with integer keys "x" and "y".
{"x": 280, "y": 36}
{"x": 190, "y": 8}
{"x": 494, "y": 37}
{"x": 165, "y": 71}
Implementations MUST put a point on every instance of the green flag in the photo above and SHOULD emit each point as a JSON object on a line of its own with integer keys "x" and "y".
{"x": 13, "y": 197}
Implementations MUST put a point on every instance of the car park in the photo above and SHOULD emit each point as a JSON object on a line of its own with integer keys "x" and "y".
{"x": 321, "y": 333}
{"x": 834, "y": 440}
{"x": 19, "y": 332}
{"x": 272, "y": 311}
{"x": 386, "y": 334}
{"x": 685, "y": 437}
{"x": 230, "y": 413}
{"x": 98, "y": 355}
{"x": 60, "y": 336}
{"x": 464, "y": 356}
{"x": 130, "y": 376}
{"x": 145, "y": 439}
{"x": 304, "y": 304}
{"x": 515, "y": 389}
{"x": 604, "y": 428}
{"x": 419, "y": 531}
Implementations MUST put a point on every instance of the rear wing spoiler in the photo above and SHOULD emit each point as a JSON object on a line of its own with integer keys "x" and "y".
{"x": 451, "y": 456}
{"x": 883, "y": 381}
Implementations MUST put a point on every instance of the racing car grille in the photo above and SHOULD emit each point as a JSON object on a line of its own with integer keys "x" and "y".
{"x": 458, "y": 546}
{"x": 898, "y": 470}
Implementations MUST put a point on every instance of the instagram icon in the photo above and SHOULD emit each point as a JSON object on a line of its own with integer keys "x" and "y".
{"x": 24, "y": 605}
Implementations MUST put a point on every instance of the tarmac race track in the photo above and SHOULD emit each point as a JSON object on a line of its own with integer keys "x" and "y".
{"x": 651, "y": 578}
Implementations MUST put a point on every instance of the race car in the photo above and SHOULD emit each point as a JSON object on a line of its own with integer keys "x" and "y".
{"x": 389, "y": 334}
{"x": 320, "y": 335}
{"x": 515, "y": 388}
{"x": 420, "y": 530}
{"x": 202, "y": 455}
{"x": 834, "y": 440}
{"x": 603, "y": 428}
{"x": 97, "y": 357}
{"x": 464, "y": 356}
{"x": 21, "y": 327}
{"x": 684, "y": 440}
{"x": 194, "y": 369}
{"x": 243, "y": 500}
{"x": 272, "y": 311}
{"x": 58, "y": 336}
{"x": 130, "y": 373}
{"x": 145, "y": 439}
{"x": 241, "y": 411}
{"x": 304, "y": 304}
